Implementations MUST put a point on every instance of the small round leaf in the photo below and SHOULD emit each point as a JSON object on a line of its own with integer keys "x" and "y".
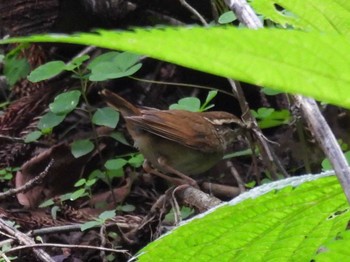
{"x": 106, "y": 117}
{"x": 46, "y": 71}
{"x": 81, "y": 147}
{"x": 32, "y": 136}
{"x": 115, "y": 164}
{"x": 66, "y": 102}
{"x": 50, "y": 120}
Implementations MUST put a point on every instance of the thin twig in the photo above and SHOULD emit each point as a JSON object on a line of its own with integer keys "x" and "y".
{"x": 29, "y": 185}
{"x": 311, "y": 112}
{"x": 23, "y": 238}
{"x": 66, "y": 246}
{"x": 194, "y": 11}
{"x": 327, "y": 141}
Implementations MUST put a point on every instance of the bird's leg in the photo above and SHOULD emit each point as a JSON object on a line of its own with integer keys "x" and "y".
{"x": 176, "y": 181}
{"x": 163, "y": 163}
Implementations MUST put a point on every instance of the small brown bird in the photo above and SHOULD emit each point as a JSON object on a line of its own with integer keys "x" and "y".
{"x": 177, "y": 141}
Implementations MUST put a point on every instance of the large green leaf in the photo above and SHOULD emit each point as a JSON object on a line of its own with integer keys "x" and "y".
{"x": 286, "y": 220}
{"x": 310, "y": 63}
{"x": 325, "y": 16}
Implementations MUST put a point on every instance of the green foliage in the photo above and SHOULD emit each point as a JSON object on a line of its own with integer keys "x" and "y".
{"x": 48, "y": 121}
{"x": 136, "y": 160}
{"x": 102, "y": 218}
{"x": 270, "y": 57}
{"x": 54, "y": 68}
{"x": 81, "y": 147}
{"x": 15, "y": 68}
{"x": 32, "y": 136}
{"x": 284, "y": 221}
{"x": 118, "y": 136}
{"x": 193, "y": 104}
{"x": 185, "y": 212}
{"x": 106, "y": 117}
{"x": 84, "y": 188}
{"x": 65, "y": 102}
{"x": 46, "y": 71}
{"x": 269, "y": 117}
{"x": 6, "y": 174}
{"x": 304, "y": 15}
{"x": 115, "y": 164}
{"x": 287, "y": 223}
{"x": 270, "y": 92}
{"x": 326, "y": 165}
{"x": 125, "y": 208}
{"x": 227, "y": 17}
{"x": 114, "y": 167}
{"x": 113, "y": 65}
{"x": 76, "y": 62}
{"x": 334, "y": 249}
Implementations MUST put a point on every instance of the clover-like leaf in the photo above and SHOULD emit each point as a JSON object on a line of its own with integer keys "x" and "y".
{"x": 106, "y": 117}
{"x": 115, "y": 164}
{"x": 227, "y": 17}
{"x": 81, "y": 147}
{"x": 46, "y": 71}
{"x": 90, "y": 224}
{"x": 50, "y": 120}
{"x": 107, "y": 215}
{"x": 66, "y": 102}
{"x": 192, "y": 104}
{"x": 114, "y": 65}
{"x": 33, "y": 136}
{"x": 76, "y": 62}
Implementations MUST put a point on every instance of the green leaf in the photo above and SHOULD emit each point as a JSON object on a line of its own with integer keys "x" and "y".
{"x": 270, "y": 92}
{"x": 76, "y": 62}
{"x": 326, "y": 165}
{"x": 329, "y": 16}
{"x": 282, "y": 221}
{"x": 107, "y": 215}
{"x": 15, "y": 69}
{"x": 211, "y": 95}
{"x": 267, "y": 57}
{"x": 50, "y": 120}
{"x": 114, "y": 65}
{"x": 91, "y": 182}
{"x": 90, "y": 224}
{"x": 136, "y": 160}
{"x": 126, "y": 208}
{"x": 80, "y": 182}
{"x": 106, "y": 71}
{"x": 81, "y": 147}
{"x": 47, "y": 203}
{"x": 32, "y": 136}
{"x": 302, "y": 74}
{"x": 269, "y": 117}
{"x": 106, "y": 117}
{"x": 46, "y": 71}
{"x": 96, "y": 174}
{"x": 119, "y": 137}
{"x": 334, "y": 249}
{"x": 112, "y": 173}
{"x": 192, "y": 104}
{"x": 227, "y": 17}
{"x": 66, "y": 102}
{"x": 106, "y": 57}
{"x": 77, "y": 194}
{"x": 115, "y": 164}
